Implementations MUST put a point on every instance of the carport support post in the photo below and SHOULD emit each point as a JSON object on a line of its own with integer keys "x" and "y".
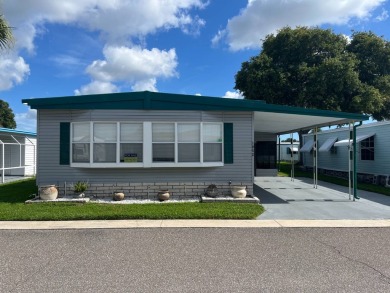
{"x": 315, "y": 161}
{"x": 350, "y": 158}
{"x": 292, "y": 158}
{"x": 2, "y": 161}
{"x": 279, "y": 154}
{"x": 355, "y": 196}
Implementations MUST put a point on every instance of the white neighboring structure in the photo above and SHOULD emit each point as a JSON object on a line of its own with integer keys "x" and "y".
{"x": 286, "y": 149}
{"x": 372, "y": 152}
{"x": 17, "y": 153}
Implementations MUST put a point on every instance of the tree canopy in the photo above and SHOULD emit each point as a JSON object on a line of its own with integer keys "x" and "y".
{"x": 289, "y": 140}
{"x": 316, "y": 68}
{"x": 6, "y": 38}
{"x": 7, "y": 117}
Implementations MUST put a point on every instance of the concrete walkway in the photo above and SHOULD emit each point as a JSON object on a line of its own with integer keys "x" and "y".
{"x": 8, "y": 179}
{"x": 298, "y": 200}
{"x": 288, "y": 205}
{"x": 127, "y": 224}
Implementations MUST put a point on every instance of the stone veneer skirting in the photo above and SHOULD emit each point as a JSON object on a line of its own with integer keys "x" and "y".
{"x": 150, "y": 190}
{"x": 379, "y": 179}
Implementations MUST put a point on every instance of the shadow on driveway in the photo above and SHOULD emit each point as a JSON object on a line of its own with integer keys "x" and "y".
{"x": 265, "y": 196}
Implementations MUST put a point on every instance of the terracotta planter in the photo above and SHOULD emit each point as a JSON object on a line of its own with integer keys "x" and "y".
{"x": 238, "y": 191}
{"x": 48, "y": 192}
{"x": 118, "y": 196}
{"x": 163, "y": 195}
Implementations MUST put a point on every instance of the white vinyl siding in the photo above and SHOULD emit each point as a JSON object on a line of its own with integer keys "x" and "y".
{"x": 50, "y": 171}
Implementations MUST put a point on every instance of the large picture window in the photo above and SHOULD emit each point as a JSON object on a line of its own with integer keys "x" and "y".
{"x": 147, "y": 144}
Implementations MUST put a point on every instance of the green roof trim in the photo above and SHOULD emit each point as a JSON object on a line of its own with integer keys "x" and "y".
{"x": 16, "y": 131}
{"x": 165, "y": 101}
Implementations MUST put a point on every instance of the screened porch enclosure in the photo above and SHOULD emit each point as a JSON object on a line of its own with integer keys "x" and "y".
{"x": 17, "y": 155}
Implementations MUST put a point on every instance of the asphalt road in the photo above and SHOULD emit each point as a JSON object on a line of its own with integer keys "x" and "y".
{"x": 196, "y": 260}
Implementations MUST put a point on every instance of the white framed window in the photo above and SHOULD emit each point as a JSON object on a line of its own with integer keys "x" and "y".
{"x": 146, "y": 144}
{"x": 367, "y": 149}
{"x": 131, "y": 142}
{"x": 81, "y": 138}
{"x": 188, "y": 138}
{"x": 163, "y": 142}
{"x": 104, "y": 142}
{"x": 212, "y": 142}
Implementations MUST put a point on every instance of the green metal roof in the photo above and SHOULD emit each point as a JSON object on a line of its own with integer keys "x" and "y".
{"x": 165, "y": 101}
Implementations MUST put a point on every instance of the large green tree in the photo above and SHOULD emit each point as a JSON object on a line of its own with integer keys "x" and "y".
{"x": 7, "y": 117}
{"x": 316, "y": 68}
{"x": 6, "y": 38}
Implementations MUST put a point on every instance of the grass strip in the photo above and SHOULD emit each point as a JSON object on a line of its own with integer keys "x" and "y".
{"x": 13, "y": 208}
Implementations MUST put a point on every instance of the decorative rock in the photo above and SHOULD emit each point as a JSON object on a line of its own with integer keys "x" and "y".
{"x": 212, "y": 190}
{"x": 163, "y": 195}
{"x": 118, "y": 196}
{"x": 48, "y": 192}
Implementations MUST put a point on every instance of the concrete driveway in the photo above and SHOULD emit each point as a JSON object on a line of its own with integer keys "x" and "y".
{"x": 298, "y": 200}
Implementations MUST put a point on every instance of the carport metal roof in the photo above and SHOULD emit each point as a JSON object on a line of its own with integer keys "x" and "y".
{"x": 267, "y": 117}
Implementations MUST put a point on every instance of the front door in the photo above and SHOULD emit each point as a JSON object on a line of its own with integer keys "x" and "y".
{"x": 265, "y": 154}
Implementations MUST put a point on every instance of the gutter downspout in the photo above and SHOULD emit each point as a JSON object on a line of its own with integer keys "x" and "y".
{"x": 355, "y": 196}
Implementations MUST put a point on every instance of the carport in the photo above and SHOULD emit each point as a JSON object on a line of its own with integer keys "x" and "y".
{"x": 297, "y": 200}
{"x": 271, "y": 121}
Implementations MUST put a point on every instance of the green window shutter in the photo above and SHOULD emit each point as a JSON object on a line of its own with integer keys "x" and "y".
{"x": 64, "y": 143}
{"x": 228, "y": 143}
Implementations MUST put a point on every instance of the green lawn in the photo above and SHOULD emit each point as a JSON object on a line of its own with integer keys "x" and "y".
{"x": 13, "y": 195}
{"x": 285, "y": 170}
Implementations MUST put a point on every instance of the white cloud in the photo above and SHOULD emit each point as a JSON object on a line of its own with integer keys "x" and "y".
{"x": 13, "y": 70}
{"x": 262, "y": 17}
{"x": 348, "y": 38}
{"x": 145, "y": 85}
{"x": 97, "y": 87}
{"x": 27, "y": 121}
{"x": 135, "y": 66}
{"x": 218, "y": 37}
{"x": 383, "y": 16}
{"x": 119, "y": 22}
{"x": 116, "y": 20}
{"x": 233, "y": 95}
{"x": 131, "y": 64}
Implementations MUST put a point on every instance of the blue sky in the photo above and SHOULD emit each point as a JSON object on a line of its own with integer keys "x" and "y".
{"x": 73, "y": 47}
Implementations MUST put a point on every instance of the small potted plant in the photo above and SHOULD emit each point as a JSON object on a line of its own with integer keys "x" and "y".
{"x": 79, "y": 188}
